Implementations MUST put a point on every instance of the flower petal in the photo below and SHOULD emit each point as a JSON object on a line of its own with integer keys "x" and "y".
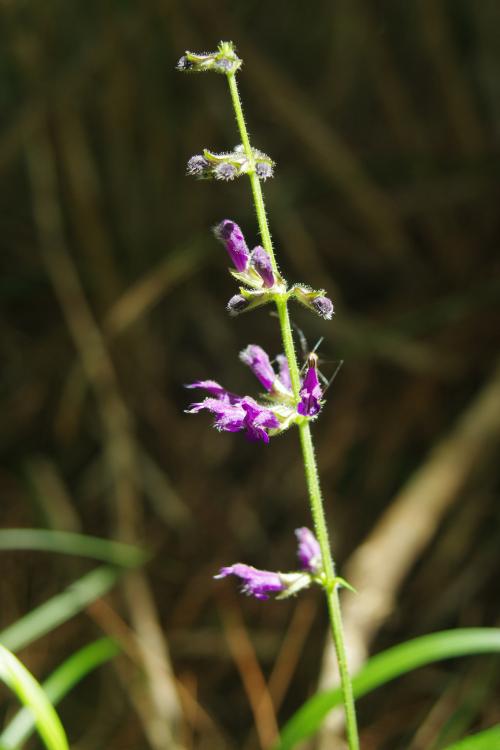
{"x": 231, "y": 236}
{"x": 262, "y": 263}
{"x": 257, "y": 583}
{"x": 310, "y": 393}
{"x": 258, "y": 361}
{"x": 309, "y": 552}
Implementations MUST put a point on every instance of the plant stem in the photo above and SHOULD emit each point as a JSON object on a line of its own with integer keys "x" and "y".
{"x": 310, "y": 466}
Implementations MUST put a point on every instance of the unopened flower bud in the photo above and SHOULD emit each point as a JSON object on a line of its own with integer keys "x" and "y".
{"x": 262, "y": 264}
{"x": 198, "y": 166}
{"x": 231, "y": 235}
{"x": 263, "y": 170}
{"x": 323, "y": 306}
{"x": 225, "y": 171}
{"x": 314, "y": 299}
{"x": 237, "y": 304}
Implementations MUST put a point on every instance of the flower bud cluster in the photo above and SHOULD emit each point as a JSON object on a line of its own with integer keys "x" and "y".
{"x": 224, "y": 61}
{"x": 253, "y": 268}
{"x": 230, "y": 164}
{"x": 261, "y": 282}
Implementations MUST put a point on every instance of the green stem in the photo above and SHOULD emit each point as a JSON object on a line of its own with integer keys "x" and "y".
{"x": 310, "y": 466}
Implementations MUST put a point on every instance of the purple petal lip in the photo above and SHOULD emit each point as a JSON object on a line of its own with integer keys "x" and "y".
{"x": 258, "y": 419}
{"x": 309, "y": 552}
{"x": 214, "y": 389}
{"x": 231, "y": 235}
{"x": 235, "y": 413}
{"x": 257, "y": 583}
{"x": 262, "y": 263}
{"x": 310, "y": 394}
{"x": 228, "y": 417}
{"x": 258, "y": 361}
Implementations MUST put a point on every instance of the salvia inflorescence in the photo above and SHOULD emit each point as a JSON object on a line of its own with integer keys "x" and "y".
{"x": 278, "y": 407}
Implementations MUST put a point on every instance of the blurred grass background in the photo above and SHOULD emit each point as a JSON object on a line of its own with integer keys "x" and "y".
{"x": 384, "y": 120}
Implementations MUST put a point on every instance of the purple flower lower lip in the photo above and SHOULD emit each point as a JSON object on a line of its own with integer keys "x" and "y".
{"x": 257, "y": 420}
{"x": 309, "y": 552}
{"x": 212, "y": 387}
{"x": 235, "y": 413}
{"x": 258, "y": 361}
{"x": 257, "y": 583}
{"x": 310, "y": 394}
{"x": 231, "y": 235}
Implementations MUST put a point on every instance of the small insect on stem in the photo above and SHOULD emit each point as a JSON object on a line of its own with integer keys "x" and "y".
{"x": 312, "y": 360}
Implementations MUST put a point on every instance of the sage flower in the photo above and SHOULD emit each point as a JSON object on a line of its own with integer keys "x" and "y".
{"x": 309, "y": 552}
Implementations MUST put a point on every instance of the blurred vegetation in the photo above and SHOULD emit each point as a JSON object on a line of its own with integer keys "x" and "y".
{"x": 384, "y": 120}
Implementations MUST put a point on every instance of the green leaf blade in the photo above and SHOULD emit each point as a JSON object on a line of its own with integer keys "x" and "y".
{"x": 387, "y": 666}
{"x": 30, "y": 693}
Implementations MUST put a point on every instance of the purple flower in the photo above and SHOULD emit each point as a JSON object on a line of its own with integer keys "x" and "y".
{"x": 212, "y": 387}
{"x": 228, "y": 417}
{"x": 258, "y": 583}
{"x": 258, "y": 419}
{"x": 310, "y": 393}
{"x": 231, "y": 235}
{"x": 323, "y": 306}
{"x": 284, "y": 372}
{"x": 234, "y": 413}
{"x": 309, "y": 552}
{"x": 258, "y": 361}
{"x": 262, "y": 264}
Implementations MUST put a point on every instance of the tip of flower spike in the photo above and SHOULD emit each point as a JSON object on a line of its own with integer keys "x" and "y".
{"x": 224, "y": 60}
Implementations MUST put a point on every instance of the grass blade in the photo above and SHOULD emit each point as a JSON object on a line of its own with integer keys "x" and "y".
{"x": 60, "y": 682}
{"x": 385, "y": 667}
{"x": 29, "y": 692}
{"x": 65, "y": 542}
{"x": 486, "y": 740}
{"x": 60, "y": 608}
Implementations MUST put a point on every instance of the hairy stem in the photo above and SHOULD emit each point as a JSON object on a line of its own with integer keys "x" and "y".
{"x": 310, "y": 466}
